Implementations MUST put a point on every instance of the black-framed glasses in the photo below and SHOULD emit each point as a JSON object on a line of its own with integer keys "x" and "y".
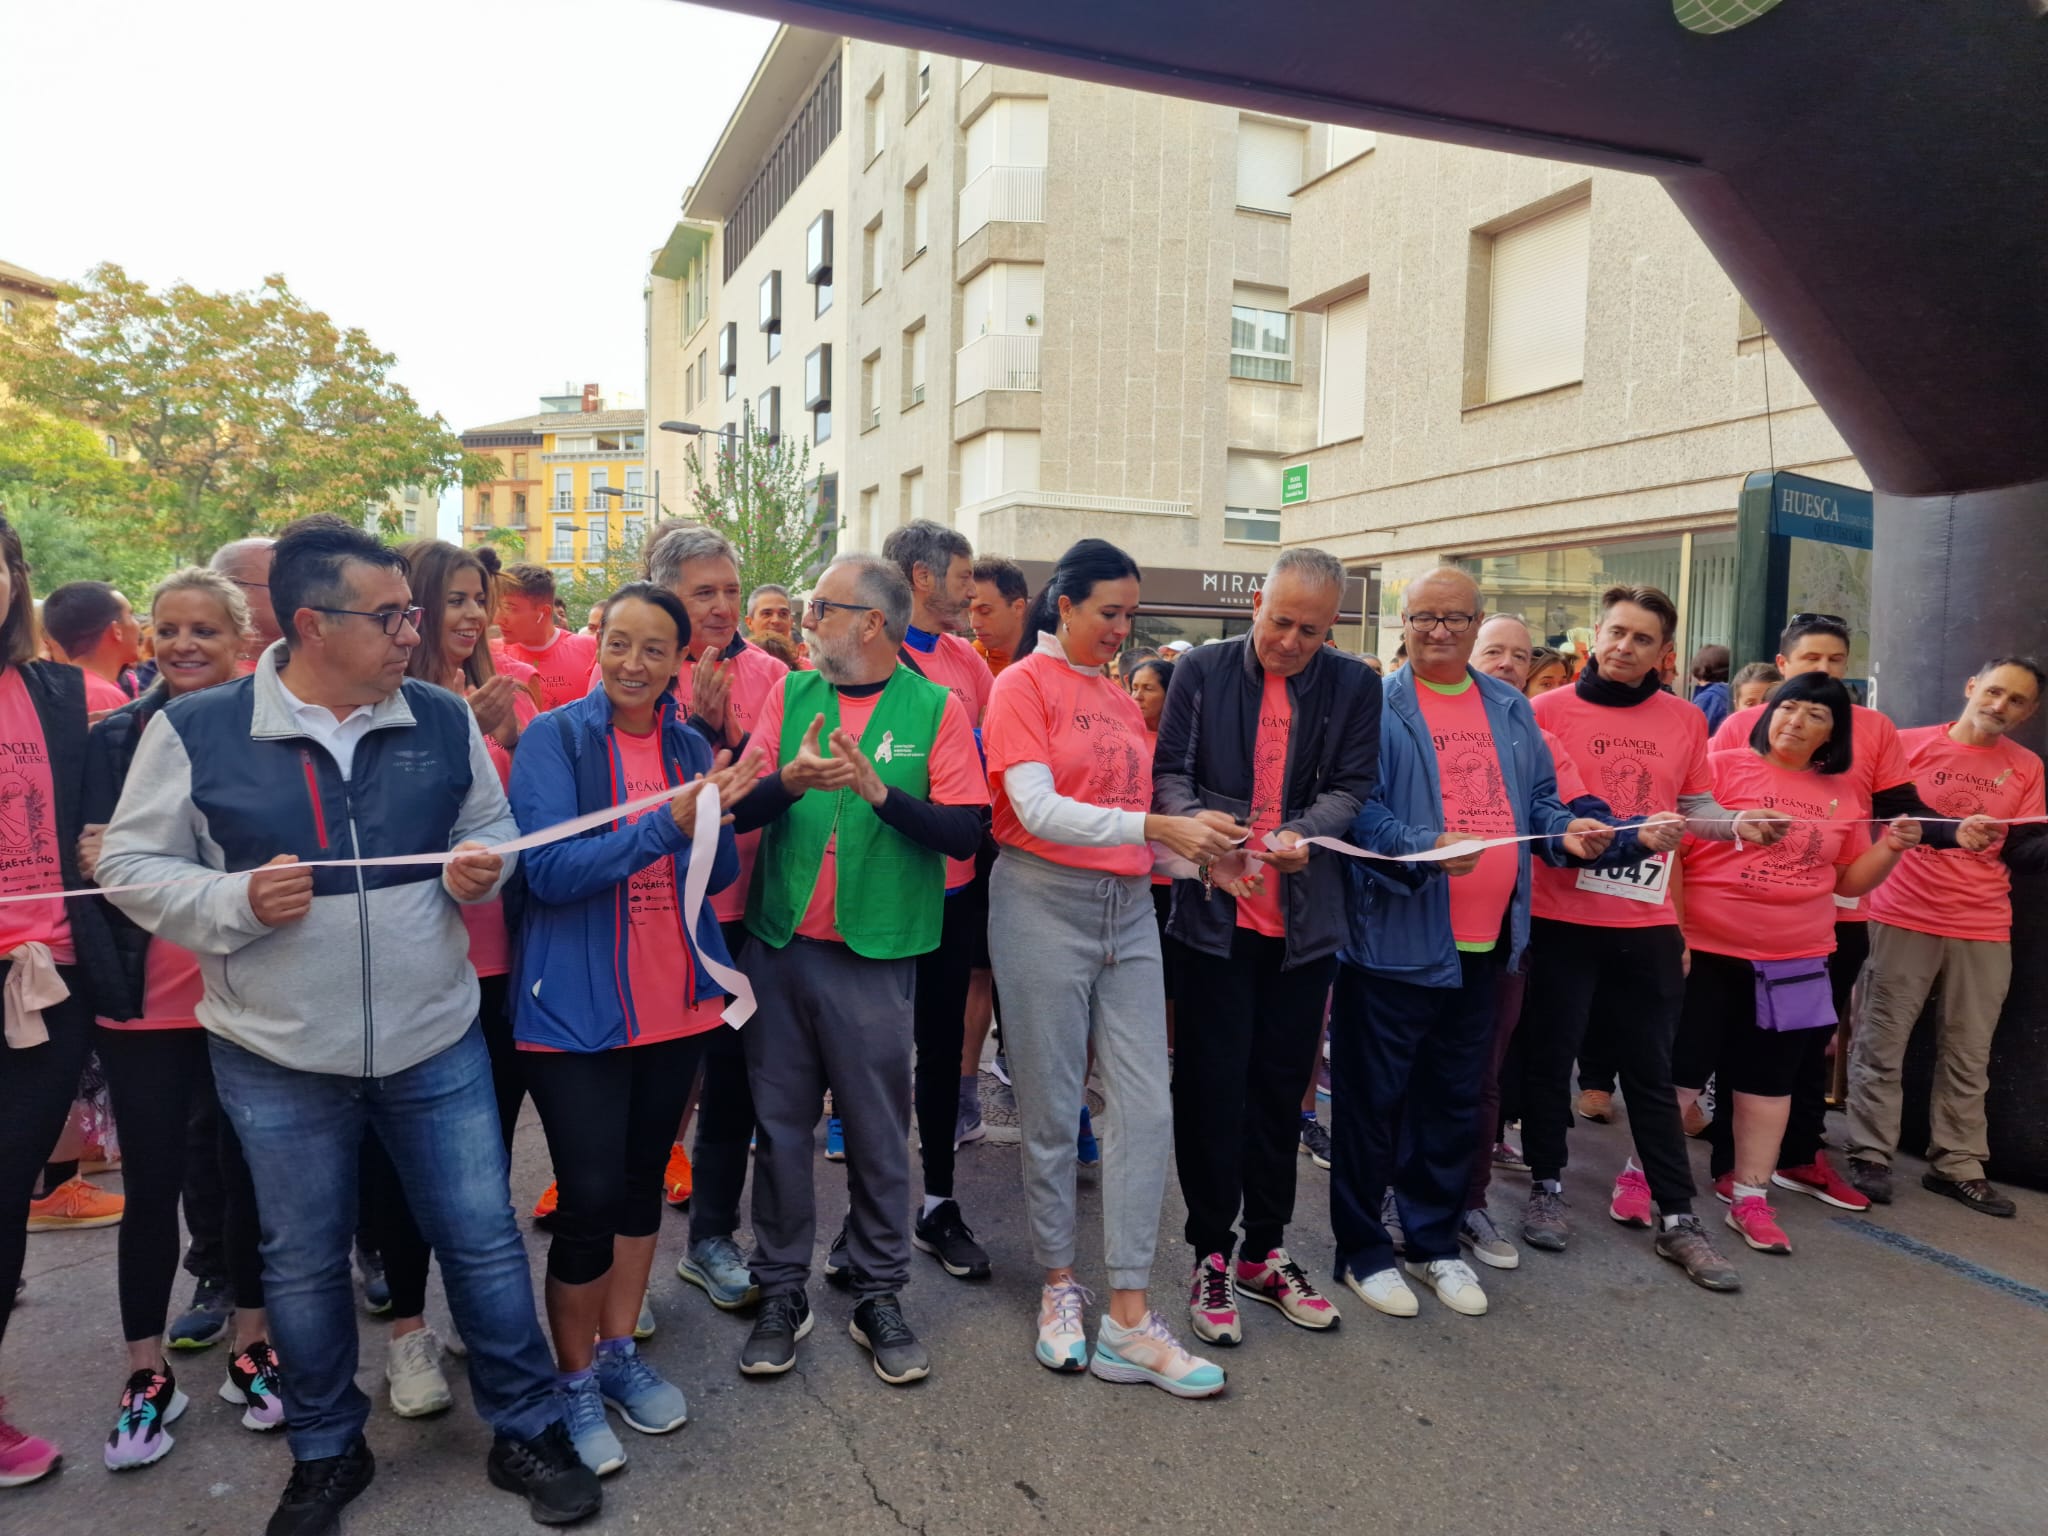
{"x": 814, "y": 609}
{"x": 1426, "y": 623}
{"x": 1798, "y": 619}
{"x": 390, "y": 620}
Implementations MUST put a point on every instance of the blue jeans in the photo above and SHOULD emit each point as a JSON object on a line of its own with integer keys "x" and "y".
{"x": 302, "y": 1133}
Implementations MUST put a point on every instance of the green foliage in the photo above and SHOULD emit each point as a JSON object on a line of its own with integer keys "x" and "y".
{"x": 592, "y": 584}
{"x": 758, "y": 494}
{"x": 81, "y": 512}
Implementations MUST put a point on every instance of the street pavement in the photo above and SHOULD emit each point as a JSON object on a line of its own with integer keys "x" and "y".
{"x": 1886, "y": 1378}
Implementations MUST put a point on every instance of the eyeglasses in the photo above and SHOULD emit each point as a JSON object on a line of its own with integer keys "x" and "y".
{"x": 1798, "y": 619}
{"x": 814, "y": 610}
{"x": 1426, "y": 623}
{"x": 254, "y": 586}
{"x": 390, "y": 620}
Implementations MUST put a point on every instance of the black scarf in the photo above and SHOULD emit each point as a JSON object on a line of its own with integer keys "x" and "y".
{"x": 1595, "y": 689}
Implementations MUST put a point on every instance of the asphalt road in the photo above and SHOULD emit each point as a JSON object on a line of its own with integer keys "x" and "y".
{"x": 1886, "y": 1378}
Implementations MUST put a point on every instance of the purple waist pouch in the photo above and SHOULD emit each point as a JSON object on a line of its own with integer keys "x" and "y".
{"x": 1793, "y": 994}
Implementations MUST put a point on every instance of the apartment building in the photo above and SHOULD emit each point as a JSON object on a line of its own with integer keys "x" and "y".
{"x": 573, "y": 482}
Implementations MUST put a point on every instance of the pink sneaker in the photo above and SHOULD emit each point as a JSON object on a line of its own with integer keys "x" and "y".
{"x": 1724, "y": 1189}
{"x": 1752, "y": 1216}
{"x": 1279, "y": 1282}
{"x": 1212, "y": 1308}
{"x": 23, "y": 1457}
{"x": 1631, "y": 1203}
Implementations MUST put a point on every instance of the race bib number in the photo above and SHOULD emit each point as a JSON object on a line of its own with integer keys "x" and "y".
{"x": 1647, "y": 882}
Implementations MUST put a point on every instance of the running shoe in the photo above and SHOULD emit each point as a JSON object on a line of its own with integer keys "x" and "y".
{"x": 549, "y": 1473}
{"x": 1508, "y": 1157}
{"x": 1454, "y": 1283}
{"x": 1685, "y": 1242}
{"x": 1087, "y": 1150}
{"x": 376, "y": 1289}
{"x": 784, "y": 1321}
{"x": 835, "y": 1141}
{"x": 675, "y": 1184}
{"x": 644, "y": 1325}
{"x": 717, "y": 1267}
{"x": 1694, "y": 1119}
{"x": 200, "y": 1325}
{"x": 1753, "y": 1218}
{"x": 252, "y": 1385}
{"x": 1595, "y": 1104}
{"x": 1279, "y": 1282}
{"x": 967, "y": 1124}
{"x": 878, "y": 1327}
{"x": 24, "y": 1458}
{"x": 150, "y": 1404}
{"x": 412, "y": 1372}
{"x": 1819, "y": 1179}
{"x": 319, "y": 1489}
{"x": 1000, "y": 1066}
{"x": 645, "y": 1399}
{"x": 1390, "y": 1218}
{"x": 1212, "y": 1306}
{"x": 1544, "y": 1224}
{"x": 1631, "y": 1203}
{"x": 1724, "y": 1188}
{"x": 74, "y": 1206}
{"x": 1384, "y": 1291}
{"x": 1315, "y": 1141}
{"x": 1149, "y": 1353}
{"x": 1062, "y": 1335}
{"x": 590, "y": 1432}
{"x": 1872, "y": 1179}
{"x": 1476, "y": 1230}
{"x": 544, "y": 1207}
{"x": 946, "y": 1236}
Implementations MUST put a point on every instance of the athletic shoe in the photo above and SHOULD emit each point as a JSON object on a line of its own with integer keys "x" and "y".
{"x": 590, "y": 1432}
{"x": 644, "y": 1325}
{"x": 946, "y": 1236}
{"x": 837, "y": 1266}
{"x": 559, "y": 1489}
{"x": 318, "y": 1490}
{"x": 1685, "y": 1242}
{"x": 878, "y": 1327}
{"x": 1212, "y": 1307}
{"x": 717, "y": 1267}
{"x": 24, "y": 1458}
{"x": 1476, "y": 1231}
{"x": 1315, "y": 1141}
{"x": 1592, "y": 1104}
{"x": 93, "y": 1158}
{"x": 645, "y": 1400}
{"x": 544, "y": 1207}
{"x": 1062, "y": 1335}
{"x": 1384, "y": 1291}
{"x": 1631, "y": 1203}
{"x": 75, "y": 1205}
{"x": 1508, "y": 1157}
{"x": 1977, "y": 1194}
{"x": 1752, "y": 1216}
{"x": 1279, "y": 1282}
{"x": 1872, "y": 1179}
{"x": 412, "y": 1370}
{"x": 1724, "y": 1188}
{"x": 1544, "y": 1224}
{"x": 1322, "y": 1077}
{"x": 1150, "y": 1353}
{"x": 835, "y": 1141}
{"x": 201, "y": 1324}
{"x": 252, "y": 1386}
{"x": 1694, "y": 1120}
{"x": 783, "y": 1322}
{"x": 1390, "y": 1218}
{"x": 150, "y": 1404}
{"x": 1000, "y": 1066}
{"x": 675, "y": 1184}
{"x": 376, "y": 1289}
{"x": 967, "y": 1124}
{"x": 1087, "y": 1150}
{"x": 1820, "y": 1180}
{"x": 1454, "y": 1283}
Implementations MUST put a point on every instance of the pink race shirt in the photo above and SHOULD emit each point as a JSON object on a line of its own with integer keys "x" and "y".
{"x": 28, "y": 827}
{"x": 1946, "y": 891}
{"x": 101, "y": 695}
{"x": 953, "y": 765}
{"x": 1262, "y": 913}
{"x": 171, "y": 989}
{"x": 1638, "y": 759}
{"x": 1571, "y": 784}
{"x": 658, "y": 967}
{"x": 1475, "y": 802}
{"x": 563, "y": 664}
{"x": 1775, "y": 903}
{"x": 955, "y": 663}
{"x": 1090, "y": 733}
{"x": 490, "y": 946}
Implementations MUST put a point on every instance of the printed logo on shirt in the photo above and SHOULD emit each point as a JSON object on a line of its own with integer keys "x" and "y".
{"x": 890, "y": 749}
{"x": 26, "y": 836}
{"x": 1626, "y": 782}
{"x": 1803, "y": 849}
{"x": 1959, "y": 794}
{"x": 1117, "y": 775}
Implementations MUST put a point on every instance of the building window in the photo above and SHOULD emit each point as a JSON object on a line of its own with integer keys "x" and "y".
{"x": 1343, "y": 413}
{"x": 113, "y": 448}
{"x": 1556, "y": 592}
{"x": 565, "y": 491}
{"x": 703, "y": 376}
{"x": 774, "y": 345}
{"x": 916, "y": 217}
{"x": 768, "y": 415}
{"x": 813, "y": 129}
{"x": 913, "y": 365}
{"x": 818, "y": 377}
{"x": 731, "y": 386}
{"x": 1269, "y": 164}
{"x": 1346, "y": 144}
{"x": 877, "y": 134}
{"x": 1536, "y": 307}
{"x": 690, "y": 385}
{"x": 519, "y": 509}
{"x": 636, "y": 490}
{"x": 596, "y": 500}
{"x": 1261, "y": 337}
{"x": 634, "y": 536}
{"x": 821, "y": 425}
{"x": 729, "y": 348}
{"x": 1251, "y": 499}
{"x": 10, "y": 311}
{"x": 913, "y": 496}
{"x": 920, "y": 81}
{"x": 771, "y": 302}
{"x": 871, "y": 392}
{"x": 871, "y": 258}
{"x": 483, "y": 509}
{"x": 597, "y": 540}
{"x": 563, "y": 546}
{"x": 818, "y": 249}
{"x": 518, "y": 466}
{"x": 870, "y": 511}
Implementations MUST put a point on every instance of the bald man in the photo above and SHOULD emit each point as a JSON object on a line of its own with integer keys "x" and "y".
{"x": 246, "y": 562}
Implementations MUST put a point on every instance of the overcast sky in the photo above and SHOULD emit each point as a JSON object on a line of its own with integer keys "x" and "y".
{"x": 475, "y": 183}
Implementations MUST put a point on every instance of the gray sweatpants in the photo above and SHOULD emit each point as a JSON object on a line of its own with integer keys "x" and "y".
{"x": 1076, "y": 957}
{"x": 828, "y": 1018}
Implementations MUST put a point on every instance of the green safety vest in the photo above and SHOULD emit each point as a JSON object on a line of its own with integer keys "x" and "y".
{"x": 891, "y": 896}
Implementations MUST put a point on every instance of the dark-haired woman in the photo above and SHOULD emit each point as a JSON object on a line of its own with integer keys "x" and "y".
{"x": 1760, "y": 925}
{"x": 613, "y": 1007}
{"x": 58, "y": 946}
{"x": 1077, "y": 960}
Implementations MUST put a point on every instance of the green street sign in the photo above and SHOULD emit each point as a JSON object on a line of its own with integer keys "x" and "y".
{"x": 1293, "y": 484}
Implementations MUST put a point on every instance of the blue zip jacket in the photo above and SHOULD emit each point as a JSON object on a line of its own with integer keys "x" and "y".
{"x": 572, "y": 993}
{"x": 1400, "y": 914}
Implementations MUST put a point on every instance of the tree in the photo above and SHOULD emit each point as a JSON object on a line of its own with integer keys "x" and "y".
{"x": 81, "y": 512}
{"x": 760, "y": 497}
{"x": 592, "y": 584}
{"x": 245, "y": 410}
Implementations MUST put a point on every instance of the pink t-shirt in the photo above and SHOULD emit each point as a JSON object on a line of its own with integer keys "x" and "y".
{"x": 28, "y": 827}
{"x": 953, "y": 765}
{"x": 1090, "y": 733}
{"x": 1638, "y": 759}
{"x": 490, "y": 946}
{"x": 954, "y": 663}
{"x": 1475, "y": 802}
{"x": 171, "y": 990}
{"x": 1262, "y": 913}
{"x": 1571, "y": 784}
{"x": 658, "y": 963}
{"x": 1947, "y": 891}
{"x": 563, "y": 664}
{"x": 754, "y": 676}
{"x": 102, "y": 695}
{"x": 1775, "y": 903}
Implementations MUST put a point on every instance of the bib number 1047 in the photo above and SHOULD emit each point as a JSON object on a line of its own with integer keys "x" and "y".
{"x": 1648, "y": 882}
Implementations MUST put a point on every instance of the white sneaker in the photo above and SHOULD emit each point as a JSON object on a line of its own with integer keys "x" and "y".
{"x": 644, "y": 1327}
{"x": 1062, "y": 1335}
{"x": 1454, "y": 1283}
{"x": 1385, "y": 1291}
{"x": 412, "y": 1370}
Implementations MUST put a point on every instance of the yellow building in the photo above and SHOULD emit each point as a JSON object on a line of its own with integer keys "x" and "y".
{"x": 573, "y": 481}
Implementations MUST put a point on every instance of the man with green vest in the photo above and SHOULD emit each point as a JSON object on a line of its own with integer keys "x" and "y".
{"x": 869, "y": 768}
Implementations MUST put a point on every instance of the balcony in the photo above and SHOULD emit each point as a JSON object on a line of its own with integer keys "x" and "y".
{"x": 995, "y": 362}
{"x": 563, "y": 501}
{"x": 597, "y": 504}
{"x": 561, "y": 554}
{"x": 1012, "y": 194}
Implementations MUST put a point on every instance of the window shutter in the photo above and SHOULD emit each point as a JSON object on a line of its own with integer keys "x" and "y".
{"x": 1344, "y": 370}
{"x": 1251, "y": 481}
{"x": 1269, "y": 157}
{"x": 1536, "y": 323}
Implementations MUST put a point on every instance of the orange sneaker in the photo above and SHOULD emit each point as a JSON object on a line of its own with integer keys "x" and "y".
{"x": 544, "y": 1207}
{"x": 75, "y": 1205}
{"x": 676, "y": 1182}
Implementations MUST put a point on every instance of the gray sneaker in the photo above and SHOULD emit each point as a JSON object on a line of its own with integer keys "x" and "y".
{"x": 1390, "y": 1218}
{"x": 1477, "y": 1232}
{"x": 967, "y": 1124}
{"x": 878, "y": 1327}
{"x": 596, "y": 1446}
{"x": 645, "y": 1399}
{"x": 1544, "y": 1224}
{"x": 719, "y": 1269}
{"x": 1685, "y": 1242}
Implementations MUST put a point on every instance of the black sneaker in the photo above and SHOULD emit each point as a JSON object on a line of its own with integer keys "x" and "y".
{"x": 771, "y": 1347}
{"x": 1872, "y": 1180}
{"x": 1315, "y": 1142}
{"x": 314, "y": 1497}
{"x": 838, "y": 1267}
{"x": 558, "y": 1488}
{"x": 878, "y": 1328}
{"x": 945, "y": 1236}
{"x": 1977, "y": 1194}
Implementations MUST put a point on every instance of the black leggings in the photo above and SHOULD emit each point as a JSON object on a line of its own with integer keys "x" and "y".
{"x": 156, "y": 1077}
{"x": 939, "y": 1012}
{"x": 610, "y": 1118}
{"x": 1718, "y": 1038}
{"x": 37, "y": 1085}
